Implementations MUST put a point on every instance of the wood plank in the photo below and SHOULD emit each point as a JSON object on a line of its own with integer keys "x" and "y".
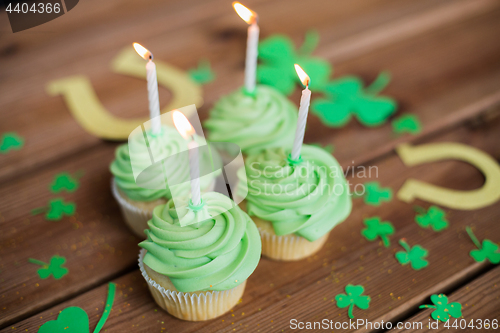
{"x": 95, "y": 241}
{"x": 276, "y": 292}
{"x": 479, "y": 300}
{"x": 51, "y": 132}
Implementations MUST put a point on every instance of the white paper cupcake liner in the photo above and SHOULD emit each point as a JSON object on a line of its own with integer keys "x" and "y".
{"x": 289, "y": 247}
{"x": 137, "y": 218}
{"x": 192, "y": 306}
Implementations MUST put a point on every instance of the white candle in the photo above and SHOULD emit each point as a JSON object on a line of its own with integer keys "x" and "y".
{"x": 251, "y": 59}
{"x": 250, "y": 17}
{"x": 154, "y": 101}
{"x": 305, "y": 100}
{"x": 194, "y": 167}
{"x": 187, "y": 131}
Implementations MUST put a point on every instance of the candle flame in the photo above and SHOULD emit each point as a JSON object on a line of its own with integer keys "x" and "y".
{"x": 143, "y": 52}
{"x": 248, "y": 15}
{"x": 304, "y": 78}
{"x": 182, "y": 124}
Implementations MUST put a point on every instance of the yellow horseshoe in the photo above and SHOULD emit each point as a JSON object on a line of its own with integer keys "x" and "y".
{"x": 83, "y": 103}
{"x": 488, "y": 194}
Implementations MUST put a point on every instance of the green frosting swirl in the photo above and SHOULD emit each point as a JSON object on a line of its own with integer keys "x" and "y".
{"x": 217, "y": 254}
{"x": 307, "y": 199}
{"x": 265, "y": 120}
{"x": 169, "y": 142}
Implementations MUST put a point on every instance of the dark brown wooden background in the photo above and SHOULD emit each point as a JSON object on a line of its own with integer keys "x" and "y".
{"x": 444, "y": 59}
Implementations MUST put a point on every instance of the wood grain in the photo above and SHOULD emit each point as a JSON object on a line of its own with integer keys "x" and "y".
{"x": 277, "y": 292}
{"x": 443, "y": 57}
{"x": 218, "y": 34}
{"x": 479, "y": 299}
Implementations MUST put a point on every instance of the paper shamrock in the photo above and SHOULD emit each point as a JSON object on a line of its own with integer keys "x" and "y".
{"x": 408, "y": 123}
{"x": 353, "y": 298}
{"x": 489, "y": 250}
{"x": 203, "y": 74}
{"x": 278, "y": 56}
{"x": 10, "y": 141}
{"x": 414, "y": 255}
{"x": 375, "y": 228}
{"x": 375, "y": 195}
{"x": 329, "y": 148}
{"x": 76, "y": 320}
{"x": 435, "y": 217}
{"x": 56, "y": 210}
{"x": 64, "y": 181}
{"x": 54, "y": 268}
{"x": 443, "y": 309}
{"x": 346, "y": 97}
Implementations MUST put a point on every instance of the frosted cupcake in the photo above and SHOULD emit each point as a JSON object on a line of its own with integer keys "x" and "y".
{"x": 137, "y": 203}
{"x": 266, "y": 119}
{"x": 199, "y": 271}
{"x": 294, "y": 204}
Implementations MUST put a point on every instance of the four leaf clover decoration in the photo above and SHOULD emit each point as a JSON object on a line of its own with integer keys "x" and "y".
{"x": 375, "y": 194}
{"x": 346, "y": 97}
{"x": 278, "y": 56}
{"x": 54, "y": 268}
{"x": 489, "y": 250}
{"x": 10, "y": 141}
{"x": 443, "y": 310}
{"x": 435, "y": 217}
{"x": 414, "y": 256}
{"x": 375, "y": 228}
{"x": 351, "y": 298}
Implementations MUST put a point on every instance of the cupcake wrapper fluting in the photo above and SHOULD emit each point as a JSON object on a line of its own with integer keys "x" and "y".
{"x": 289, "y": 247}
{"x": 192, "y": 306}
{"x": 136, "y": 218}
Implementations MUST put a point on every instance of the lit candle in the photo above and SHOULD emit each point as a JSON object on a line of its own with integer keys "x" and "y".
{"x": 154, "y": 102}
{"x": 250, "y": 17}
{"x": 187, "y": 131}
{"x": 303, "y": 111}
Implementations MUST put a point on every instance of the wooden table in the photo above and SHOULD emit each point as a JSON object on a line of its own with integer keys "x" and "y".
{"x": 444, "y": 59}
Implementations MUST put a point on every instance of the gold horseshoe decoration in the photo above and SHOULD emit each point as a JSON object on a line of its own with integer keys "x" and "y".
{"x": 83, "y": 103}
{"x": 488, "y": 194}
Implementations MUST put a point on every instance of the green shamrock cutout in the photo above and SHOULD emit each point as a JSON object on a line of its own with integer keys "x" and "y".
{"x": 435, "y": 217}
{"x": 353, "y": 298}
{"x": 54, "y": 267}
{"x": 58, "y": 208}
{"x": 375, "y": 194}
{"x": 414, "y": 255}
{"x": 278, "y": 56}
{"x": 64, "y": 181}
{"x": 10, "y": 141}
{"x": 408, "y": 123}
{"x": 346, "y": 97}
{"x": 443, "y": 309}
{"x": 375, "y": 228}
{"x": 70, "y": 320}
{"x": 76, "y": 320}
{"x": 329, "y": 148}
{"x": 203, "y": 74}
{"x": 489, "y": 250}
